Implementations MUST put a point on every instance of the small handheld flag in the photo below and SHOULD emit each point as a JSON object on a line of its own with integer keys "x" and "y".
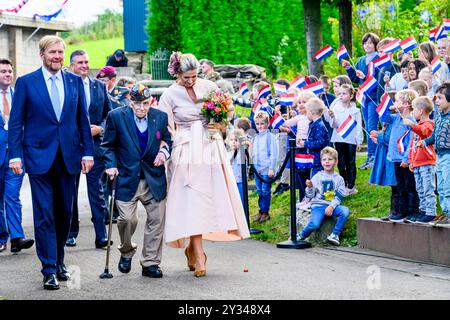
{"x": 401, "y": 145}
{"x": 316, "y": 87}
{"x": 392, "y": 46}
{"x": 279, "y": 88}
{"x": 441, "y": 32}
{"x": 382, "y": 61}
{"x": 264, "y": 92}
{"x": 287, "y": 99}
{"x": 323, "y": 53}
{"x": 432, "y": 34}
{"x": 277, "y": 121}
{"x": 361, "y": 98}
{"x": 384, "y": 105}
{"x": 435, "y": 64}
{"x": 298, "y": 82}
{"x": 447, "y": 24}
{"x": 304, "y": 160}
{"x": 408, "y": 44}
{"x": 370, "y": 70}
{"x": 346, "y": 127}
{"x": 368, "y": 85}
{"x": 243, "y": 89}
{"x": 342, "y": 53}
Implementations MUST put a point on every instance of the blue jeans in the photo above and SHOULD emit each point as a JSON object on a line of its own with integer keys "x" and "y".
{"x": 241, "y": 191}
{"x": 264, "y": 192}
{"x": 425, "y": 186}
{"x": 371, "y": 118}
{"x": 443, "y": 181}
{"x": 317, "y": 216}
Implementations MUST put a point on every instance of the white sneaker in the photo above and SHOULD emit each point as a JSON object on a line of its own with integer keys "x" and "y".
{"x": 333, "y": 239}
{"x": 352, "y": 191}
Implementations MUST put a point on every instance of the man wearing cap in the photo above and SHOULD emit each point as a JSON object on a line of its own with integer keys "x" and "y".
{"x": 117, "y": 95}
{"x": 98, "y": 105}
{"x": 136, "y": 145}
{"x": 117, "y": 59}
{"x": 49, "y": 129}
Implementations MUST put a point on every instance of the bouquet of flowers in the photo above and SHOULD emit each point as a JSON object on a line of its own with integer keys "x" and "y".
{"x": 216, "y": 105}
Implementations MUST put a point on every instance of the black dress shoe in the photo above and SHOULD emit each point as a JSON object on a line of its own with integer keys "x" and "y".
{"x": 103, "y": 244}
{"x": 50, "y": 282}
{"x": 62, "y": 274}
{"x": 125, "y": 265}
{"x": 152, "y": 271}
{"x": 21, "y": 243}
{"x": 3, "y": 247}
{"x": 71, "y": 242}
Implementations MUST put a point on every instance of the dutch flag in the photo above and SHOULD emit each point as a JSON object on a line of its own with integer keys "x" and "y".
{"x": 401, "y": 141}
{"x": 287, "y": 99}
{"x": 342, "y": 53}
{"x": 264, "y": 92}
{"x": 316, "y": 87}
{"x": 392, "y": 46}
{"x": 298, "y": 82}
{"x": 347, "y": 127}
{"x": 382, "y": 61}
{"x": 408, "y": 44}
{"x": 441, "y": 32}
{"x": 370, "y": 70}
{"x": 368, "y": 85}
{"x": 323, "y": 53}
{"x": 243, "y": 89}
{"x": 435, "y": 64}
{"x": 304, "y": 160}
{"x": 361, "y": 98}
{"x": 277, "y": 121}
{"x": 432, "y": 35}
{"x": 385, "y": 103}
{"x": 447, "y": 24}
{"x": 279, "y": 88}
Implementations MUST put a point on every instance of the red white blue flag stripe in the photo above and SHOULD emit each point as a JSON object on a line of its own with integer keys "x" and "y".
{"x": 435, "y": 64}
{"x": 342, "y": 53}
{"x": 361, "y": 98}
{"x": 447, "y": 24}
{"x": 316, "y": 87}
{"x": 323, "y": 53}
{"x": 298, "y": 82}
{"x": 370, "y": 69}
{"x": 277, "y": 121}
{"x": 368, "y": 85}
{"x": 264, "y": 92}
{"x": 287, "y": 99}
{"x": 384, "y": 105}
{"x": 408, "y": 44}
{"x": 392, "y": 46}
{"x": 441, "y": 32}
{"x": 243, "y": 89}
{"x": 279, "y": 88}
{"x": 304, "y": 160}
{"x": 347, "y": 127}
{"x": 382, "y": 61}
{"x": 432, "y": 35}
{"x": 401, "y": 145}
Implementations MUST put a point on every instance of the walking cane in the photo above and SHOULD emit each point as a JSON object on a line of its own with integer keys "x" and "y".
{"x": 106, "y": 274}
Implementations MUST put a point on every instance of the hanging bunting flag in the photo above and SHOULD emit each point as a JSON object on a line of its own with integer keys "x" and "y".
{"x": 243, "y": 89}
{"x": 392, "y": 46}
{"x": 347, "y": 127}
{"x": 382, "y": 61}
{"x": 15, "y": 9}
{"x": 323, "y": 53}
{"x": 304, "y": 160}
{"x": 287, "y": 99}
{"x": 408, "y": 44}
{"x": 279, "y": 88}
{"x": 435, "y": 64}
{"x": 342, "y": 53}
{"x": 50, "y": 16}
{"x": 277, "y": 121}
{"x": 384, "y": 105}
{"x": 316, "y": 87}
{"x": 298, "y": 82}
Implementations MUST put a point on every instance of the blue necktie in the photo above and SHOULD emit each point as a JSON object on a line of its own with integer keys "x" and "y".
{"x": 54, "y": 96}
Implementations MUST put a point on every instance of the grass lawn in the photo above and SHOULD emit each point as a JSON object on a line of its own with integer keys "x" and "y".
{"x": 98, "y": 50}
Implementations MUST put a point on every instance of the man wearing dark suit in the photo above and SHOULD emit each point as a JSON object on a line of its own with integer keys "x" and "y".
{"x": 136, "y": 145}
{"x": 10, "y": 183}
{"x": 49, "y": 129}
{"x": 98, "y": 107}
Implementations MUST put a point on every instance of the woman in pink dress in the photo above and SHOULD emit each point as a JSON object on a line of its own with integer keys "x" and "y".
{"x": 203, "y": 200}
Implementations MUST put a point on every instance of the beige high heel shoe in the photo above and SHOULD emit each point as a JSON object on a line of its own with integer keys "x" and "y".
{"x": 190, "y": 266}
{"x": 201, "y": 273}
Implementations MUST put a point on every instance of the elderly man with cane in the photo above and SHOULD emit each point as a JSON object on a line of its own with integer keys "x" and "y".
{"x": 136, "y": 145}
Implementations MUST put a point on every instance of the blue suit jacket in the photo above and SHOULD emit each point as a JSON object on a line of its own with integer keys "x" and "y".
{"x": 122, "y": 151}
{"x": 3, "y": 136}
{"x": 35, "y": 134}
{"x": 98, "y": 110}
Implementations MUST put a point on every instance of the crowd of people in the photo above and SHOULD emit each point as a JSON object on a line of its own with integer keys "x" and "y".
{"x": 186, "y": 171}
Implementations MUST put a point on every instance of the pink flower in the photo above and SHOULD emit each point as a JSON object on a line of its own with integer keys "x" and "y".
{"x": 217, "y": 110}
{"x": 210, "y": 105}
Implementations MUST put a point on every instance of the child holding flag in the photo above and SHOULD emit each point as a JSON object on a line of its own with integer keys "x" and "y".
{"x": 326, "y": 191}
{"x": 348, "y": 140}
{"x": 408, "y": 200}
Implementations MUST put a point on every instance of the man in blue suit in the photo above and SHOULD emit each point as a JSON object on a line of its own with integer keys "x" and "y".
{"x": 49, "y": 129}
{"x": 137, "y": 143}
{"x": 98, "y": 107}
{"x": 10, "y": 184}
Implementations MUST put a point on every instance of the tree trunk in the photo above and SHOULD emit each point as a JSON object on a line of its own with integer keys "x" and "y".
{"x": 313, "y": 31}
{"x": 345, "y": 25}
